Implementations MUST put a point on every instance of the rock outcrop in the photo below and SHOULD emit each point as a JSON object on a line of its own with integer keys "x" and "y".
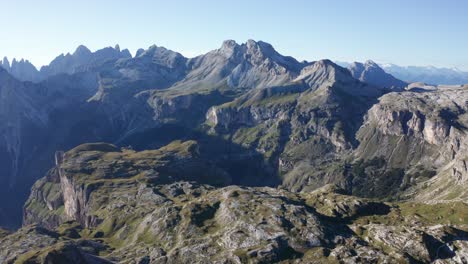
{"x": 240, "y": 155}
{"x": 22, "y": 70}
{"x": 35, "y": 244}
{"x": 82, "y": 60}
{"x": 32, "y": 117}
{"x": 266, "y": 117}
{"x": 421, "y": 131}
{"x": 371, "y": 73}
{"x": 249, "y": 65}
{"x": 139, "y": 206}
{"x": 300, "y": 126}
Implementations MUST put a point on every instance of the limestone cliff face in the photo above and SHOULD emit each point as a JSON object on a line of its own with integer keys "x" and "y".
{"x": 414, "y": 134}
{"x": 47, "y": 200}
{"x": 226, "y": 118}
{"x": 112, "y": 97}
{"x": 149, "y": 215}
{"x": 248, "y": 65}
{"x": 300, "y": 126}
{"x": 151, "y": 206}
{"x": 292, "y": 122}
{"x": 425, "y": 129}
{"x": 187, "y": 109}
{"x": 75, "y": 199}
{"x": 71, "y": 191}
{"x": 31, "y": 130}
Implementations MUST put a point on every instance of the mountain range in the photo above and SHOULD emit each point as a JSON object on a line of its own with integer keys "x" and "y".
{"x": 69, "y": 63}
{"x": 239, "y": 155}
{"x": 425, "y": 74}
{"x": 65, "y": 63}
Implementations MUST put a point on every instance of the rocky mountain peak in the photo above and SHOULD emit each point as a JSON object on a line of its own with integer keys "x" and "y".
{"x": 324, "y": 70}
{"x": 244, "y": 115}
{"x": 125, "y": 53}
{"x": 257, "y": 53}
{"x": 260, "y": 47}
{"x": 358, "y": 68}
{"x": 21, "y": 69}
{"x": 162, "y": 56}
{"x": 326, "y": 63}
{"x": 372, "y": 73}
{"x": 229, "y": 44}
{"x": 139, "y": 52}
{"x": 371, "y": 63}
{"x": 325, "y": 74}
{"x": 82, "y": 59}
{"x": 82, "y": 50}
{"x": 5, "y": 63}
{"x": 250, "y": 65}
{"x": 151, "y": 50}
{"x": 228, "y": 48}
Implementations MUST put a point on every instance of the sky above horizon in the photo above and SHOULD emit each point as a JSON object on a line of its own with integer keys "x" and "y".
{"x": 418, "y": 32}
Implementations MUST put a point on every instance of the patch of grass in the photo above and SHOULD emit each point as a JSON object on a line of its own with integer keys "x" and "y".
{"x": 455, "y": 213}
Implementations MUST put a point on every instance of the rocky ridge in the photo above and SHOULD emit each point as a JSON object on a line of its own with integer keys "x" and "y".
{"x": 81, "y": 60}
{"x": 262, "y": 117}
{"x": 139, "y": 210}
{"x": 423, "y": 131}
{"x": 22, "y": 69}
{"x": 372, "y": 73}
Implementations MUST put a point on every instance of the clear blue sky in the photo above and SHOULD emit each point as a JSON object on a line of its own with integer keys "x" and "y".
{"x": 405, "y": 32}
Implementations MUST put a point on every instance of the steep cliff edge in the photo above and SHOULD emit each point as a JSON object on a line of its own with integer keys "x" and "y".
{"x": 265, "y": 118}
{"x": 328, "y": 128}
{"x": 423, "y": 133}
{"x": 303, "y": 128}
{"x": 121, "y": 206}
{"x": 77, "y": 177}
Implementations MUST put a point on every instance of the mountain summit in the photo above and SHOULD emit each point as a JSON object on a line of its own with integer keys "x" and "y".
{"x": 22, "y": 69}
{"x": 82, "y": 57}
{"x": 371, "y": 72}
{"x": 249, "y": 65}
{"x": 239, "y": 155}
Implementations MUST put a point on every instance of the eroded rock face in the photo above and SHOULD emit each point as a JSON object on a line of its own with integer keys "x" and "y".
{"x": 46, "y": 195}
{"x": 81, "y": 60}
{"x": 371, "y": 73}
{"x": 425, "y": 129}
{"x": 408, "y": 141}
{"x": 69, "y": 180}
{"x": 183, "y": 218}
{"x": 146, "y": 206}
{"x": 301, "y": 126}
{"x": 282, "y": 121}
{"x": 248, "y": 65}
{"x": 22, "y": 70}
{"x": 34, "y": 244}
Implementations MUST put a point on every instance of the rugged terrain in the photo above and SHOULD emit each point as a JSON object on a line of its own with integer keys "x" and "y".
{"x": 238, "y": 155}
{"x": 104, "y": 204}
